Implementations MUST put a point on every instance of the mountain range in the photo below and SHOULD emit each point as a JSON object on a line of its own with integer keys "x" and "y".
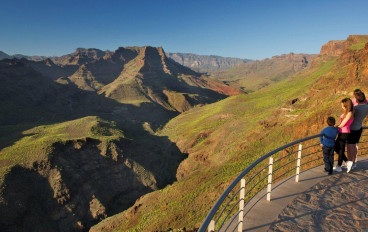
{"x": 199, "y": 63}
{"x": 243, "y": 74}
{"x": 203, "y": 63}
{"x": 132, "y": 140}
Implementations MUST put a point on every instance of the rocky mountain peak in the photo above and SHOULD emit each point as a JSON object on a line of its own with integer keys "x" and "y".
{"x": 154, "y": 59}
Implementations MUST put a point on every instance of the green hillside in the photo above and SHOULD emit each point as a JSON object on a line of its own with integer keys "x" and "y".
{"x": 225, "y": 137}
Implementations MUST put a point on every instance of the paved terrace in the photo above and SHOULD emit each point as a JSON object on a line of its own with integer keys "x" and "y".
{"x": 317, "y": 203}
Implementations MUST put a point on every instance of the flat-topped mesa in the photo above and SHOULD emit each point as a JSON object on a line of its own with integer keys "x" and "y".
{"x": 337, "y": 47}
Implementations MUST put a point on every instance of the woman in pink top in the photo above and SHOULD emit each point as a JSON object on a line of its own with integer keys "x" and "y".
{"x": 346, "y": 119}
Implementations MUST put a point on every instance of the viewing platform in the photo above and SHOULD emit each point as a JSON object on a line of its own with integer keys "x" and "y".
{"x": 318, "y": 202}
{"x": 268, "y": 196}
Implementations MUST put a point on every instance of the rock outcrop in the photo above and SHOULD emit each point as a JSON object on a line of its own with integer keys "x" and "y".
{"x": 337, "y": 47}
{"x": 333, "y": 48}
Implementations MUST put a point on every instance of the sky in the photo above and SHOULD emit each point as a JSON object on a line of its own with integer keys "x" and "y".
{"x": 251, "y": 29}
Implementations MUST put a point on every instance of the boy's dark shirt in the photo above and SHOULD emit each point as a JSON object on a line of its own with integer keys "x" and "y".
{"x": 328, "y": 139}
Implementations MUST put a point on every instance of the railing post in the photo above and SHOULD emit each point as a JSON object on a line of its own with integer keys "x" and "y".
{"x": 298, "y": 163}
{"x": 269, "y": 187}
{"x": 241, "y": 205}
{"x": 211, "y": 226}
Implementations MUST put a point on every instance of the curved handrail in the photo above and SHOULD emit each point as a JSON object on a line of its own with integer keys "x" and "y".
{"x": 221, "y": 199}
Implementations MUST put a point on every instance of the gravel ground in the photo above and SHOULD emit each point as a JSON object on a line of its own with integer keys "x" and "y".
{"x": 339, "y": 203}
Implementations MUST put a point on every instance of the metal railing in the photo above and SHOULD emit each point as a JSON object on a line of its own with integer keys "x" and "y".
{"x": 251, "y": 184}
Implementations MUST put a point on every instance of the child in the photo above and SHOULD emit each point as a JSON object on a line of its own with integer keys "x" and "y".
{"x": 328, "y": 144}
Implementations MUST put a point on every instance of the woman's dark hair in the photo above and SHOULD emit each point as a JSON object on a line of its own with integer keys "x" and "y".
{"x": 348, "y": 104}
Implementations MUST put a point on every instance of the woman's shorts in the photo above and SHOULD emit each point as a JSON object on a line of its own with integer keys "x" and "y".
{"x": 354, "y": 136}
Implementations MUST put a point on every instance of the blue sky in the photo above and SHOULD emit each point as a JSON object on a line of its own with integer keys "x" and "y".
{"x": 244, "y": 29}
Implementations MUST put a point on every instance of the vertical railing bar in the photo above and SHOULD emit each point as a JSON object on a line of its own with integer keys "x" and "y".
{"x": 269, "y": 186}
{"x": 241, "y": 205}
{"x": 211, "y": 226}
{"x": 298, "y": 163}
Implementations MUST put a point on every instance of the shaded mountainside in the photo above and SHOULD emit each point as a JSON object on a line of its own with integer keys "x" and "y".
{"x": 258, "y": 74}
{"x": 223, "y": 138}
{"x": 202, "y": 63}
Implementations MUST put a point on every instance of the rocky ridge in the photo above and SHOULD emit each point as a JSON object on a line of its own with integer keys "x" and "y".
{"x": 261, "y": 73}
{"x": 204, "y": 63}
